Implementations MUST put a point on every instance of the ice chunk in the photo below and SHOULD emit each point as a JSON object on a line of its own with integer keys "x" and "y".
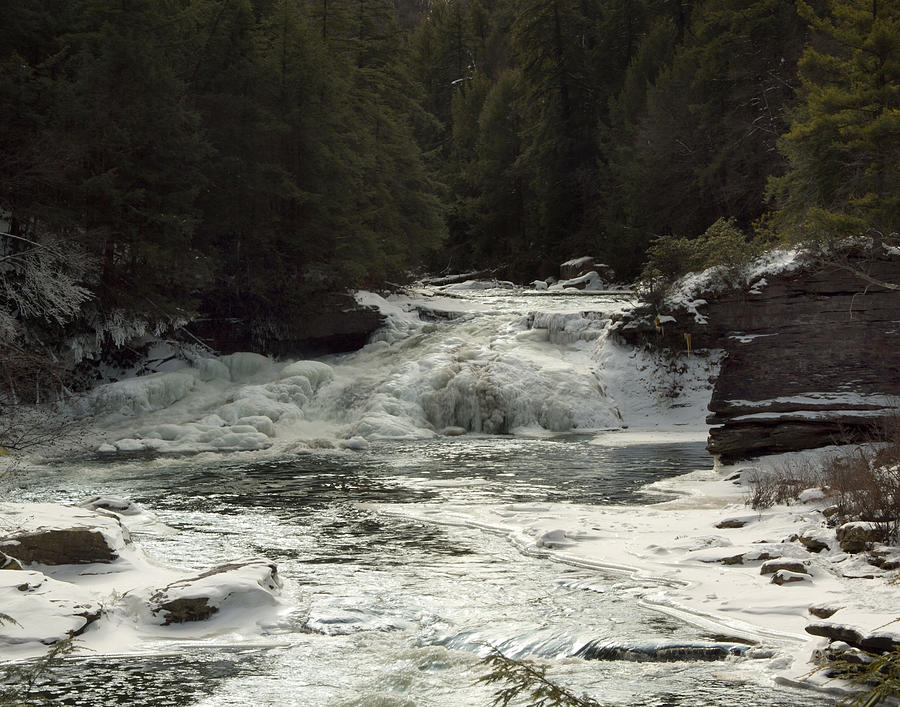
{"x": 138, "y": 395}
{"x": 355, "y": 443}
{"x": 242, "y": 439}
{"x": 165, "y": 432}
{"x": 209, "y": 369}
{"x": 130, "y": 445}
{"x": 315, "y": 372}
{"x": 244, "y": 365}
{"x": 259, "y": 422}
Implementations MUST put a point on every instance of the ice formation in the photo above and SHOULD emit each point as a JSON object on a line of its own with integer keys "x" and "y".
{"x": 495, "y": 362}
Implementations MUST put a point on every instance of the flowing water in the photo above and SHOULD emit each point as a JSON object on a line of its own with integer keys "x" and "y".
{"x": 391, "y": 611}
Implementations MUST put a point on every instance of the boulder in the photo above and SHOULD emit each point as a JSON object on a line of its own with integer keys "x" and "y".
{"x": 49, "y": 534}
{"x": 732, "y": 523}
{"x": 873, "y": 642}
{"x": 884, "y": 557}
{"x": 67, "y": 546}
{"x": 780, "y": 565}
{"x": 113, "y": 504}
{"x": 857, "y": 536}
{"x": 824, "y": 612}
{"x": 44, "y": 610}
{"x": 813, "y": 542}
{"x": 838, "y": 650}
{"x": 576, "y": 267}
{"x": 787, "y": 577}
{"x": 244, "y": 583}
{"x": 9, "y": 563}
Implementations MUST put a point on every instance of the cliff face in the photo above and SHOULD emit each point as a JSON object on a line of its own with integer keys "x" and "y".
{"x": 812, "y": 358}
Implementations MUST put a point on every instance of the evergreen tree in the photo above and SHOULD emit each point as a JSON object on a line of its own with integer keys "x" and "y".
{"x": 139, "y": 154}
{"x": 844, "y": 143}
{"x": 499, "y": 212}
{"x": 553, "y": 39}
{"x": 702, "y": 141}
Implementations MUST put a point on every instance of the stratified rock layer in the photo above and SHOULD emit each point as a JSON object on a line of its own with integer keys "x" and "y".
{"x": 812, "y": 354}
{"x": 812, "y": 358}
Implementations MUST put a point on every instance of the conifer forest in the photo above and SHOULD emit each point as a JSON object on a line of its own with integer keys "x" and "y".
{"x": 168, "y": 160}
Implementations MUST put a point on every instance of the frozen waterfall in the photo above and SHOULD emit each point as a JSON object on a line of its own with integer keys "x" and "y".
{"x": 477, "y": 361}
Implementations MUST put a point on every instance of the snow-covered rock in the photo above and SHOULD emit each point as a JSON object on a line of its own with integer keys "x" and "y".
{"x": 114, "y": 504}
{"x": 44, "y": 610}
{"x": 240, "y": 585}
{"x": 857, "y": 535}
{"x": 48, "y": 534}
{"x": 788, "y": 577}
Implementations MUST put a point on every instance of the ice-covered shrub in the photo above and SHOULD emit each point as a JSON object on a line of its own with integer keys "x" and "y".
{"x": 864, "y": 490}
{"x": 782, "y": 486}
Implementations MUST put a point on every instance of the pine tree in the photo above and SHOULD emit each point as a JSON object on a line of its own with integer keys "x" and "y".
{"x": 553, "y": 39}
{"x": 844, "y": 142}
{"x": 702, "y": 142}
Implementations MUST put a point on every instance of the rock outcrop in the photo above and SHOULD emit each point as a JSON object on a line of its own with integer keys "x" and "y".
{"x": 813, "y": 358}
{"x": 876, "y": 642}
{"x": 812, "y": 354}
{"x": 337, "y": 323}
{"x": 74, "y": 536}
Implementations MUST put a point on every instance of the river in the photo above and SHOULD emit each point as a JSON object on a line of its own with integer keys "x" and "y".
{"x": 387, "y": 610}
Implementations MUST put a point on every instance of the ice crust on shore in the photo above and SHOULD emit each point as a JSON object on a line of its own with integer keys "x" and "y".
{"x": 704, "y": 574}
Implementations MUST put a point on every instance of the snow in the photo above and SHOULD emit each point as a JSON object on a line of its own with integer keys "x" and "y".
{"x": 823, "y": 399}
{"x": 589, "y": 281}
{"x": 45, "y": 611}
{"x": 684, "y": 292}
{"x": 688, "y": 566}
{"x": 578, "y": 262}
{"x": 112, "y": 603}
{"x": 139, "y": 395}
{"x": 489, "y": 368}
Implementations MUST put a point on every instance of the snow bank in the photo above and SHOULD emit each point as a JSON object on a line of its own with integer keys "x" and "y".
{"x": 109, "y": 602}
{"x": 705, "y": 559}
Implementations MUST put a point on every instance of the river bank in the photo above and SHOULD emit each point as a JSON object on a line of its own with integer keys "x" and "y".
{"x": 707, "y": 558}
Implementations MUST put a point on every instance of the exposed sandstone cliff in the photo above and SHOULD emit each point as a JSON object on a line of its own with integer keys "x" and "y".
{"x": 812, "y": 355}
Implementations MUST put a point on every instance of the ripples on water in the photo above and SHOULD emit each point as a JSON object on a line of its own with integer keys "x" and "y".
{"x": 392, "y": 611}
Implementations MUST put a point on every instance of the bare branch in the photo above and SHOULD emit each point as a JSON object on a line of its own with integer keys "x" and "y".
{"x": 864, "y": 276}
